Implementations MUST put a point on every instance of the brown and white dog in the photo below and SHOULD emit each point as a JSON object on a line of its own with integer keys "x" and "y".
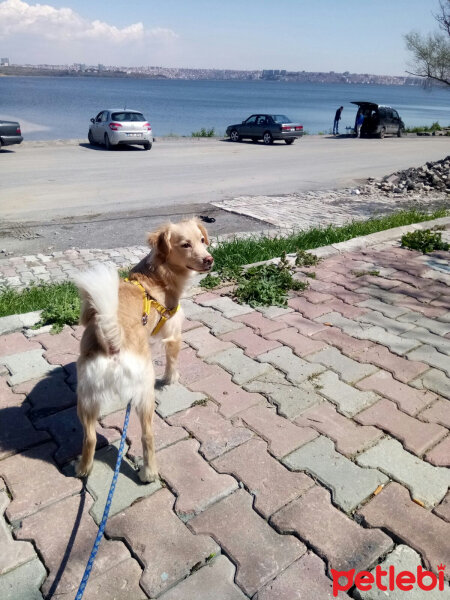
{"x": 115, "y": 357}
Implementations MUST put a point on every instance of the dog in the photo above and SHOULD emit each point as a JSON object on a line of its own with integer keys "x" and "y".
{"x": 120, "y": 317}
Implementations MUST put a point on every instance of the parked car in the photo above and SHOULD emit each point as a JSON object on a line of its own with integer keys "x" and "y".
{"x": 117, "y": 127}
{"x": 267, "y": 128}
{"x": 10, "y": 133}
{"x": 379, "y": 120}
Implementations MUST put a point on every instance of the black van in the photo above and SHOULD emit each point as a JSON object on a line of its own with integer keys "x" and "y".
{"x": 379, "y": 120}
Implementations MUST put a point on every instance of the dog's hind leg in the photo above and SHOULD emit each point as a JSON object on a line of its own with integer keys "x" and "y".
{"x": 88, "y": 420}
{"x": 145, "y": 410}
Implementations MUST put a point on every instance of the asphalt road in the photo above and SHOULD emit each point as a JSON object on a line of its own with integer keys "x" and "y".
{"x": 92, "y": 197}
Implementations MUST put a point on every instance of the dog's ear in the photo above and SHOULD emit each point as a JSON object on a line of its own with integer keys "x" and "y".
{"x": 160, "y": 240}
{"x": 204, "y": 232}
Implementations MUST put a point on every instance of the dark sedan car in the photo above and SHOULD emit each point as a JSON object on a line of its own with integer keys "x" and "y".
{"x": 379, "y": 120}
{"x": 10, "y": 133}
{"x": 266, "y": 128}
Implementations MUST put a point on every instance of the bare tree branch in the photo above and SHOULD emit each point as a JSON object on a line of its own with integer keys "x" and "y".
{"x": 444, "y": 17}
{"x": 430, "y": 56}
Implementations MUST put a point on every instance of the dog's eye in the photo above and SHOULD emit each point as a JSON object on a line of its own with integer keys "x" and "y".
{"x": 203, "y": 240}
{"x": 186, "y": 245}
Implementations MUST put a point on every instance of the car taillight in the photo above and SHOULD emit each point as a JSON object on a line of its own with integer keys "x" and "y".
{"x": 147, "y": 126}
{"x": 115, "y": 126}
{"x": 299, "y": 128}
{"x": 285, "y": 127}
{"x": 18, "y": 131}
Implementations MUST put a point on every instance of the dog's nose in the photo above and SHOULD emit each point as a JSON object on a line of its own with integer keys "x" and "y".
{"x": 208, "y": 260}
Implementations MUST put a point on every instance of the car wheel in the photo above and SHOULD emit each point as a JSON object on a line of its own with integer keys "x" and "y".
{"x": 234, "y": 136}
{"x": 400, "y": 132}
{"x": 289, "y": 142}
{"x": 91, "y": 138}
{"x": 382, "y": 133}
{"x": 107, "y": 143}
{"x": 147, "y": 145}
{"x": 267, "y": 138}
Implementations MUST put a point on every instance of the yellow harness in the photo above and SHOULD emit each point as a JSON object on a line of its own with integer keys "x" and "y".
{"x": 165, "y": 313}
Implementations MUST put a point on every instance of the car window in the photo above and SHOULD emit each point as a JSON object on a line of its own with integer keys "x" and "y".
{"x": 382, "y": 113}
{"x": 262, "y": 120}
{"x": 251, "y": 119}
{"x": 281, "y": 119}
{"x": 98, "y": 118}
{"x": 395, "y": 114}
{"x": 127, "y": 116}
{"x": 104, "y": 117}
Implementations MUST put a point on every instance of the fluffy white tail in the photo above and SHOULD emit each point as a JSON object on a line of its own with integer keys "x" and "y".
{"x": 99, "y": 291}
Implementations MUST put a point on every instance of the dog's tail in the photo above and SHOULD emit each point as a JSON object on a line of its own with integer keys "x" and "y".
{"x": 99, "y": 291}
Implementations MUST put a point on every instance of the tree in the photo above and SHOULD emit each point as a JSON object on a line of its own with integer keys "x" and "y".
{"x": 431, "y": 53}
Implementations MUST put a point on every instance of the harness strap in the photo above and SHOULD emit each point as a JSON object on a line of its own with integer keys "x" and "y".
{"x": 149, "y": 302}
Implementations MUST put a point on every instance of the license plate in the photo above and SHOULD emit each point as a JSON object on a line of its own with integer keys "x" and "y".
{"x": 134, "y": 134}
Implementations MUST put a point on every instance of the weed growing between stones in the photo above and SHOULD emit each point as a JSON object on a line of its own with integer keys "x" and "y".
{"x": 424, "y": 241}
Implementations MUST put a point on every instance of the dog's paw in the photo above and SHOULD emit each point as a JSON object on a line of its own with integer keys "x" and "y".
{"x": 82, "y": 470}
{"x": 170, "y": 378}
{"x": 146, "y": 475}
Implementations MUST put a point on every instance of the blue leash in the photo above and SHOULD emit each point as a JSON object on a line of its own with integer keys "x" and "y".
{"x": 101, "y": 529}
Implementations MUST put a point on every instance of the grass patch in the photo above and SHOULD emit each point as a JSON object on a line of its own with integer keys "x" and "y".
{"x": 424, "y": 128}
{"x": 206, "y": 133}
{"x": 424, "y": 240}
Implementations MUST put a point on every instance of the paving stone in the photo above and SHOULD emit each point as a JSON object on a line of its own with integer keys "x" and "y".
{"x": 442, "y": 344}
{"x": 24, "y": 582}
{"x": 396, "y": 513}
{"x": 16, "y": 431}
{"x": 33, "y": 489}
{"x": 291, "y": 400}
{"x": 175, "y": 397}
{"x": 272, "y": 485}
{"x": 355, "y": 329}
{"x": 348, "y": 345}
{"x": 205, "y": 343}
{"x": 436, "y": 381}
{"x": 66, "y": 430}
{"x": 196, "y": 484}
{"x": 349, "y": 437}
{"x": 316, "y": 297}
{"x": 281, "y": 435}
{"x": 408, "y": 399}
{"x": 10, "y": 324}
{"x": 440, "y": 454}
{"x": 26, "y": 365}
{"x": 350, "y": 485}
{"x": 349, "y": 370}
{"x": 47, "y": 395}
{"x": 431, "y": 356}
{"x": 434, "y": 325}
{"x": 303, "y": 580}
{"x": 62, "y": 343}
{"x": 15, "y": 343}
{"x": 8, "y": 398}
{"x": 76, "y": 533}
{"x": 403, "y": 369}
{"x": 170, "y": 552}
{"x": 443, "y": 510}
{"x": 426, "y": 483}
{"x": 341, "y": 541}
{"x": 257, "y": 550}
{"x": 388, "y": 310}
{"x": 252, "y": 344}
{"x": 216, "y": 434}
{"x": 439, "y": 413}
{"x": 415, "y": 435}
{"x": 224, "y": 304}
{"x": 348, "y": 399}
{"x": 189, "y": 324}
{"x": 391, "y": 325}
{"x": 193, "y": 368}
{"x": 302, "y": 325}
{"x": 308, "y": 309}
{"x": 241, "y": 367}
{"x": 165, "y": 435}
{"x": 214, "y": 320}
{"x": 212, "y": 582}
{"x": 13, "y": 553}
{"x": 300, "y": 344}
{"x": 402, "y": 558}
{"x": 260, "y": 324}
{"x": 129, "y": 488}
{"x": 295, "y": 368}
{"x": 273, "y": 312}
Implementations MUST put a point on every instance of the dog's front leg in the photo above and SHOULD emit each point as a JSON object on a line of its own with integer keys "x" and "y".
{"x": 173, "y": 345}
{"x": 149, "y": 470}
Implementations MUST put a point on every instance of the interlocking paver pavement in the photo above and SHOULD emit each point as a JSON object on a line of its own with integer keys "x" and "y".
{"x": 328, "y": 420}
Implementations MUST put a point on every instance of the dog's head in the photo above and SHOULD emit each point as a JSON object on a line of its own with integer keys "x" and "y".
{"x": 182, "y": 245}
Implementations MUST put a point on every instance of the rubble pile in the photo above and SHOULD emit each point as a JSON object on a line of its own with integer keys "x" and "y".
{"x": 431, "y": 177}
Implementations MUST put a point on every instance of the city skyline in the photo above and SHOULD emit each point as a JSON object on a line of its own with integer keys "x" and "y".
{"x": 208, "y": 34}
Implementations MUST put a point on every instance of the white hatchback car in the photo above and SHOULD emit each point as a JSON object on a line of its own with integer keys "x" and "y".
{"x": 114, "y": 127}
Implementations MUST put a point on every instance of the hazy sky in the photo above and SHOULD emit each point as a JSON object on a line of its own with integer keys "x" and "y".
{"x": 361, "y": 36}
